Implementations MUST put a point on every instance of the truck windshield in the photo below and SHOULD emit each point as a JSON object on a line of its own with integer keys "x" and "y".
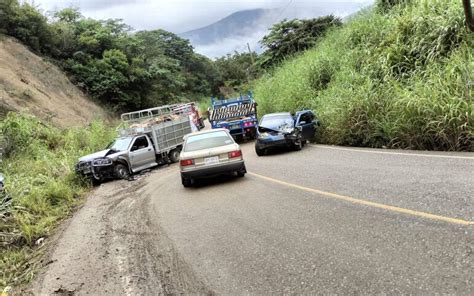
{"x": 120, "y": 144}
{"x": 207, "y": 141}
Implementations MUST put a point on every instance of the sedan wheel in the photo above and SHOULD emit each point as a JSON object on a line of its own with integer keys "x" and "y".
{"x": 298, "y": 145}
{"x": 242, "y": 172}
{"x": 259, "y": 151}
{"x": 187, "y": 182}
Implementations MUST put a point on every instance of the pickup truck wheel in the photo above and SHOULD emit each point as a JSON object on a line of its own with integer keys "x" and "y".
{"x": 174, "y": 155}
{"x": 121, "y": 171}
{"x": 187, "y": 182}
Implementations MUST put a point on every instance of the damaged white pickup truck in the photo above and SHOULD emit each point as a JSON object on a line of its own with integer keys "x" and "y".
{"x": 150, "y": 137}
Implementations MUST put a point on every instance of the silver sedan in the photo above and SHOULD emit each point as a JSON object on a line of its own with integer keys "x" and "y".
{"x": 210, "y": 153}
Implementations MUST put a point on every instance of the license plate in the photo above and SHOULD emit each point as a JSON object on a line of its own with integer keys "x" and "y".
{"x": 235, "y": 127}
{"x": 211, "y": 160}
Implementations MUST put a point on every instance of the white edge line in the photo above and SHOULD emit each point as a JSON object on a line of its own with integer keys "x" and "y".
{"x": 393, "y": 153}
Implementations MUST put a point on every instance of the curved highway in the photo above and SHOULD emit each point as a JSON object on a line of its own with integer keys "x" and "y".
{"x": 324, "y": 220}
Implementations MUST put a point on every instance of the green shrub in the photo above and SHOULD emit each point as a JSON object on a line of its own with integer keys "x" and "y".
{"x": 41, "y": 183}
{"x": 399, "y": 79}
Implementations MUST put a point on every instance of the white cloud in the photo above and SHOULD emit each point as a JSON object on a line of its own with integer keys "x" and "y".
{"x": 175, "y": 15}
{"x": 183, "y": 15}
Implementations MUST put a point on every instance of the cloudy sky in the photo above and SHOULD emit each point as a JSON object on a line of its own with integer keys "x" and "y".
{"x": 173, "y": 15}
{"x": 179, "y": 16}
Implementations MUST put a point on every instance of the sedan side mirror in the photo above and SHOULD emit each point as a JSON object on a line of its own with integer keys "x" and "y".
{"x": 302, "y": 122}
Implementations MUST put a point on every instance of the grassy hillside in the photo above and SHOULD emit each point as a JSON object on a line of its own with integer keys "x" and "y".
{"x": 403, "y": 78}
{"x": 41, "y": 187}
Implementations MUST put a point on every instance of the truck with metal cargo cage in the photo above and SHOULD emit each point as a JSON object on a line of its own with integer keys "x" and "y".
{"x": 238, "y": 115}
{"x": 146, "y": 139}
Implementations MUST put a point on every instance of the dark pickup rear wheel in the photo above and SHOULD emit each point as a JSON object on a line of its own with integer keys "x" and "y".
{"x": 121, "y": 171}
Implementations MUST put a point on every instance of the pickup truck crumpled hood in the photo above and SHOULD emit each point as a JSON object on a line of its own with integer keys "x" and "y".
{"x": 93, "y": 156}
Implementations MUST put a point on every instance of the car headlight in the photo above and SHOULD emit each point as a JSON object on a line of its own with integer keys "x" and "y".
{"x": 264, "y": 135}
{"x": 102, "y": 162}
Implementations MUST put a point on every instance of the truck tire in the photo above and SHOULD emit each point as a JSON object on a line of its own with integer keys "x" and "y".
{"x": 187, "y": 182}
{"x": 121, "y": 171}
{"x": 173, "y": 155}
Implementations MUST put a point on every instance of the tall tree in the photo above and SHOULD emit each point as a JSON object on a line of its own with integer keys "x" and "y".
{"x": 291, "y": 36}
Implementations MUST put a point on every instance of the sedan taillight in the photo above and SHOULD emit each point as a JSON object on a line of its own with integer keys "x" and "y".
{"x": 186, "y": 162}
{"x": 235, "y": 154}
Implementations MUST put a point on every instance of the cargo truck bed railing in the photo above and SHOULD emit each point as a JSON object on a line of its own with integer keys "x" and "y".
{"x": 146, "y": 114}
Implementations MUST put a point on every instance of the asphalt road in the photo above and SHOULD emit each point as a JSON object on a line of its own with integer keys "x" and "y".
{"x": 324, "y": 220}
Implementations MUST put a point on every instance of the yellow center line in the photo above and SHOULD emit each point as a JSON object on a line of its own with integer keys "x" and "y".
{"x": 394, "y": 153}
{"x": 367, "y": 203}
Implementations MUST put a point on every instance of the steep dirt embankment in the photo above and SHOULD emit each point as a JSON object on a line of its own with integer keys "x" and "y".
{"x": 28, "y": 83}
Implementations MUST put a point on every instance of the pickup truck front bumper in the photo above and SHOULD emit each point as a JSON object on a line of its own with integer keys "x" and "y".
{"x": 98, "y": 172}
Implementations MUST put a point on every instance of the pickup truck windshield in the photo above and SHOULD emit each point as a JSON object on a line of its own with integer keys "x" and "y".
{"x": 277, "y": 123}
{"x": 207, "y": 141}
{"x": 120, "y": 144}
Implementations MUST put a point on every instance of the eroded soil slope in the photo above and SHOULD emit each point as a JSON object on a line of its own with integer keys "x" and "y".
{"x": 29, "y": 83}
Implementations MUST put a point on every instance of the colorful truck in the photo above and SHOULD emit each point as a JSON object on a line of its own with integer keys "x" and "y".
{"x": 238, "y": 115}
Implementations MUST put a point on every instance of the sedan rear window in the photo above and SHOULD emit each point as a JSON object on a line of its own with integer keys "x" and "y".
{"x": 207, "y": 140}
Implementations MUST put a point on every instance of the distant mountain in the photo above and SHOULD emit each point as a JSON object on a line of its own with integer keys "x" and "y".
{"x": 236, "y": 24}
{"x": 232, "y": 33}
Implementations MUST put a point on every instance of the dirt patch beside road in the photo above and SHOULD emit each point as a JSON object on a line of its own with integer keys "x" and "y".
{"x": 30, "y": 84}
{"x": 113, "y": 247}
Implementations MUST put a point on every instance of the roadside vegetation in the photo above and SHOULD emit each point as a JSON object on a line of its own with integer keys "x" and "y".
{"x": 399, "y": 75}
{"x": 41, "y": 187}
